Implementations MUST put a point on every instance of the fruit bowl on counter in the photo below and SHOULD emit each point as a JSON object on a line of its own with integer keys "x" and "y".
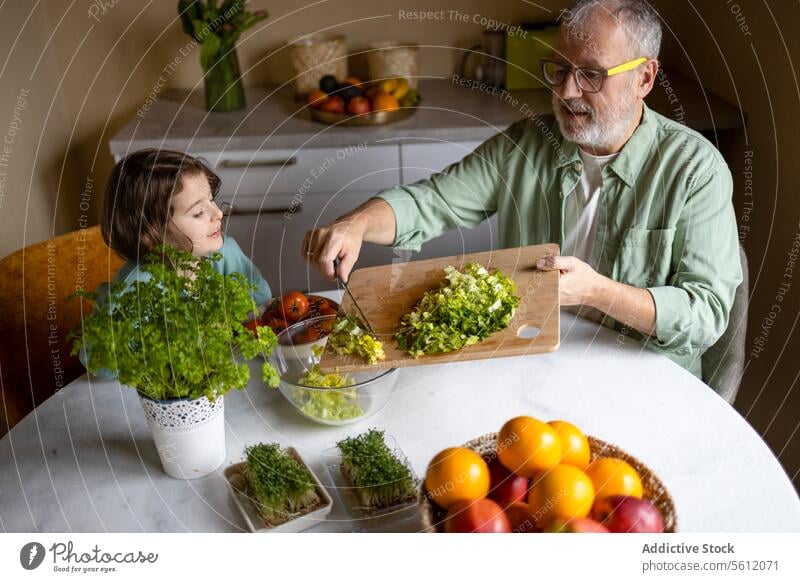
{"x": 354, "y": 103}
{"x": 543, "y": 477}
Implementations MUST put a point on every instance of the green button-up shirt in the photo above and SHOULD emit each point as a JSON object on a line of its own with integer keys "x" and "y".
{"x": 665, "y": 220}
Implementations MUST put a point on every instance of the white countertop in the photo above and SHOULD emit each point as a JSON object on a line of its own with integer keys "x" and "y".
{"x": 273, "y": 119}
{"x": 85, "y": 461}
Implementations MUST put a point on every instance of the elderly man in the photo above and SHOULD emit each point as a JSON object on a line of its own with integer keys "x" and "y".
{"x": 640, "y": 205}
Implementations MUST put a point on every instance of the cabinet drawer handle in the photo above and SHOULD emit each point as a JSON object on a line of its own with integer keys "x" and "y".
{"x": 258, "y": 163}
{"x": 233, "y": 211}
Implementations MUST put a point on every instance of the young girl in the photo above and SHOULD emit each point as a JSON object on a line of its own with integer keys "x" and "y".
{"x": 163, "y": 197}
{"x": 158, "y": 197}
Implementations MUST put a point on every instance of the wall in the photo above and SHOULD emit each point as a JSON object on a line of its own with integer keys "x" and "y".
{"x": 34, "y": 126}
{"x": 747, "y": 52}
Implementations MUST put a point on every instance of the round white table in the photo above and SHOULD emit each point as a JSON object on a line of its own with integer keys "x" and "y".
{"x": 84, "y": 460}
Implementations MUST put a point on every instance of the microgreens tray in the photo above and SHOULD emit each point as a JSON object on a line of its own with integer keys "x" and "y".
{"x": 388, "y": 518}
{"x": 296, "y": 522}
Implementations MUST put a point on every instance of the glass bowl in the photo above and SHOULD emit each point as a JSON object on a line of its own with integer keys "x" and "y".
{"x": 294, "y": 356}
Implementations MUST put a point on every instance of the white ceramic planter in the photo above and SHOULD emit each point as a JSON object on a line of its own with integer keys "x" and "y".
{"x": 189, "y": 434}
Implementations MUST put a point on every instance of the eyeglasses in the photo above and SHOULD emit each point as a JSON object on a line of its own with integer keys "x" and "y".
{"x": 589, "y": 79}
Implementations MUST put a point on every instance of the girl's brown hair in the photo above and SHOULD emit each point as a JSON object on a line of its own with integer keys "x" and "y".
{"x": 138, "y": 198}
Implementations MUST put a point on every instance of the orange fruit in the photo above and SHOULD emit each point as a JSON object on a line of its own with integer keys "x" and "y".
{"x": 614, "y": 477}
{"x": 457, "y": 474}
{"x": 575, "y": 448}
{"x": 316, "y": 97}
{"x": 563, "y": 492}
{"x": 385, "y": 102}
{"x": 354, "y": 81}
{"x": 526, "y": 446}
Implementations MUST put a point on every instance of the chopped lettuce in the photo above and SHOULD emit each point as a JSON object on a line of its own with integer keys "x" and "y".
{"x": 466, "y": 309}
{"x": 349, "y": 337}
{"x": 318, "y": 379}
{"x": 338, "y": 403}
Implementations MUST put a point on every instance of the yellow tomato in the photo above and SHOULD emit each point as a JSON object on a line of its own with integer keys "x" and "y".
{"x": 575, "y": 448}
{"x": 563, "y": 492}
{"x": 612, "y": 476}
{"x": 526, "y": 446}
{"x": 457, "y": 474}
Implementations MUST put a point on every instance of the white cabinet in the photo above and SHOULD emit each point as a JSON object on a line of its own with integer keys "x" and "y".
{"x": 304, "y": 170}
{"x": 419, "y": 161}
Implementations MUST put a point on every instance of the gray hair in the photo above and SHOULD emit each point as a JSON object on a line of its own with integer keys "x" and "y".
{"x": 638, "y": 18}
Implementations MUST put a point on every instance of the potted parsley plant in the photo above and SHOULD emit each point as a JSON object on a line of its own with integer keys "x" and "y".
{"x": 177, "y": 337}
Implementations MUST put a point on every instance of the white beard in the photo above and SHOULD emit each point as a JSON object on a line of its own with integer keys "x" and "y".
{"x": 592, "y": 132}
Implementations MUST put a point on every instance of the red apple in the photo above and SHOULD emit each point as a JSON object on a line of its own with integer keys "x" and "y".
{"x": 576, "y": 525}
{"x": 506, "y": 487}
{"x": 625, "y": 514}
{"x": 333, "y": 104}
{"x": 520, "y": 517}
{"x": 358, "y": 106}
{"x": 481, "y": 516}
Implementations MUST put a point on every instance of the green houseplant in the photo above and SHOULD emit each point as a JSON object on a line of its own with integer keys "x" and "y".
{"x": 217, "y": 27}
{"x": 177, "y": 337}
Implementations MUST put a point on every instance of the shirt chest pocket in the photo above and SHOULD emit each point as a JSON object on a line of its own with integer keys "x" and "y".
{"x": 644, "y": 257}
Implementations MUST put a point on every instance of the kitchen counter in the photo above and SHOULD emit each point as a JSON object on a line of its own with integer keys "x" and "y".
{"x": 177, "y": 119}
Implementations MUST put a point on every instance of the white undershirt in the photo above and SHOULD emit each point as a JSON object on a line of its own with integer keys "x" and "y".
{"x": 580, "y": 210}
{"x": 580, "y": 219}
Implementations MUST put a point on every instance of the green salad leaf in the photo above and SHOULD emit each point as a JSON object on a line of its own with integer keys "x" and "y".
{"x": 279, "y": 484}
{"x": 379, "y": 477}
{"x": 350, "y": 337}
{"x": 466, "y": 309}
{"x": 337, "y": 403}
{"x": 318, "y": 379}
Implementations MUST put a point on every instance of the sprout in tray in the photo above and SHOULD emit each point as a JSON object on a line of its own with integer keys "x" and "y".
{"x": 279, "y": 486}
{"x": 380, "y": 479}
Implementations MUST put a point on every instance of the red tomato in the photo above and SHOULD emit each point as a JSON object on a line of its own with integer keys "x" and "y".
{"x": 318, "y": 303}
{"x": 294, "y": 306}
{"x": 310, "y": 334}
{"x": 277, "y": 324}
{"x": 272, "y": 314}
{"x": 252, "y": 325}
{"x": 327, "y": 311}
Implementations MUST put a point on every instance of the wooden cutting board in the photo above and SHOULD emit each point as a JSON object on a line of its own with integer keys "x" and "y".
{"x": 388, "y": 292}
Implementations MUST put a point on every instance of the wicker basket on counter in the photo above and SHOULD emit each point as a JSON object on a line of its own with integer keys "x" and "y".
{"x": 315, "y": 56}
{"x": 390, "y": 58}
{"x": 653, "y": 489}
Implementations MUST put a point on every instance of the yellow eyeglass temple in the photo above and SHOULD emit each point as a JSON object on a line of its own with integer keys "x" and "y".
{"x": 630, "y": 65}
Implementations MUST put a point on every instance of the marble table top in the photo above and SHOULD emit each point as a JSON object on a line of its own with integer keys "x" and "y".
{"x": 84, "y": 460}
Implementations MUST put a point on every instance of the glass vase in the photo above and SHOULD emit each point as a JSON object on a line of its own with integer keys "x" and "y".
{"x": 223, "y": 84}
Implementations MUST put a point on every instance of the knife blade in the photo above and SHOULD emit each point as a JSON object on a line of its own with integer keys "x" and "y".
{"x": 363, "y": 317}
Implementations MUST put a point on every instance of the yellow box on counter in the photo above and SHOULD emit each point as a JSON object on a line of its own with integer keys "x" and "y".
{"x": 523, "y": 51}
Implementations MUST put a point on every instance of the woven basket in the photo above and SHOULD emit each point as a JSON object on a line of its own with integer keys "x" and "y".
{"x": 654, "y": 491}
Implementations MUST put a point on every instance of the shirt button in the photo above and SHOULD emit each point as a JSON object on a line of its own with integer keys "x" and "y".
{"x": 578, "y": 166}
